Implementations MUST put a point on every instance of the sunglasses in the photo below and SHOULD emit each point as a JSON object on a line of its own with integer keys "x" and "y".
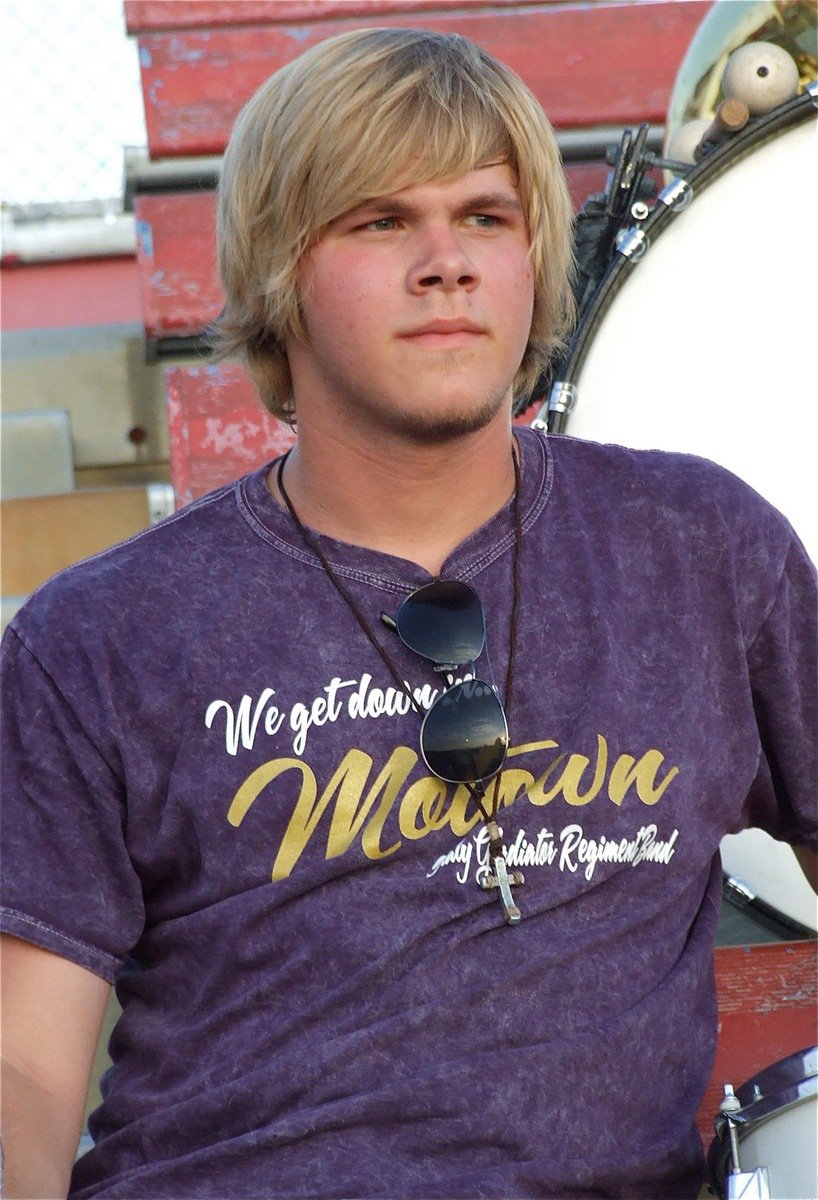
{"x": 464, "y": 735}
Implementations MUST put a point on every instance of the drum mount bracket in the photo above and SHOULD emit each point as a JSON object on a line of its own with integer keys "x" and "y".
{"x": 749, "y": 1185}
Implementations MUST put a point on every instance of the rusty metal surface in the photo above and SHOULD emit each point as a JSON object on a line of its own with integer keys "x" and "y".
{"x": 219, "y": 429}
{"x": 144, "y": 15}
{"x": 176, "y": 253}
{"x": 588, "y": 64}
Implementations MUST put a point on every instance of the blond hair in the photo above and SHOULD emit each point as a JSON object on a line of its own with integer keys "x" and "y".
{"x": 358, "y": 116}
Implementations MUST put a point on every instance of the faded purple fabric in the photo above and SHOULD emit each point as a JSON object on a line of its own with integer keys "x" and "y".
{"x": 213, "y": 797}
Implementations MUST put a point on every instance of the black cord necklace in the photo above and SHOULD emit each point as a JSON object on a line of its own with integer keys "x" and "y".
{"x": 498, "y": 877}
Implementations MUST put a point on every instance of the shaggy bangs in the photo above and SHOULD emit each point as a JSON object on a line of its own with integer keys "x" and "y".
{"x": 414, "y": 121}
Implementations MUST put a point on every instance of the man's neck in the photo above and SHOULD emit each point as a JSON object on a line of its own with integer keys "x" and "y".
{"x": 416, "y": 502}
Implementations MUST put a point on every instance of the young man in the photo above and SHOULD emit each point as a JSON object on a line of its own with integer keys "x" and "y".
{"x": 272, "y": 816}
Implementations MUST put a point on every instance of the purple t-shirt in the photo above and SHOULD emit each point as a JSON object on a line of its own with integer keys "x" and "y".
{"x": 214, "y": 797}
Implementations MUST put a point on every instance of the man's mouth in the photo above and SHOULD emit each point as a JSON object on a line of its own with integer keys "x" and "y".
{"x": 444, "y": 333}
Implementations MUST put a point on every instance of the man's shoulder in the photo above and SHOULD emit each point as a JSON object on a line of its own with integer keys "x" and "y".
{"x": 667, "y": 504}
{"x": 673, "y": 477}
{"x": 138, "y": 575}
{"x": 647, "y": 466}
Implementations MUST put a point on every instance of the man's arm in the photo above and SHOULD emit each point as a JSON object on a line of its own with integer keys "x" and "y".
{"x": 51, "y": 1019}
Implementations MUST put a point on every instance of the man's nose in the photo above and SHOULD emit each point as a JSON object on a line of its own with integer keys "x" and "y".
{"x": 441, "y": 261}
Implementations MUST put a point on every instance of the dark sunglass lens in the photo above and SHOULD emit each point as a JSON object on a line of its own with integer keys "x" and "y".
{"x": 443, "y": 621}
{"x": 465, "y": 736}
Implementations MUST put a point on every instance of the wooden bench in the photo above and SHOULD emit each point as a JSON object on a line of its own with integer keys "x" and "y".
{"x": 596, "y": 68}
{"x": 44, "y": 534}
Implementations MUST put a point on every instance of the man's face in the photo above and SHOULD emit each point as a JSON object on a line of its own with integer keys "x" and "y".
{"x": 417, "y": 308}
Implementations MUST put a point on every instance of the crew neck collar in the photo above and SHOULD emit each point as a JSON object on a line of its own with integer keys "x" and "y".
{"x": 273, "y": 524}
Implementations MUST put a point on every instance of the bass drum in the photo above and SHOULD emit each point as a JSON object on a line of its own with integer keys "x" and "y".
{"x": 706, "y": 345}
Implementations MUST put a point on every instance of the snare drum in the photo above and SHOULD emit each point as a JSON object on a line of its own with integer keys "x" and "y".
{"x": 776, "y": 1124}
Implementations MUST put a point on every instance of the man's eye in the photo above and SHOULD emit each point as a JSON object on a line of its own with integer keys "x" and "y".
{"x": 380, "y": 224}
{"x": 485, "y": 220}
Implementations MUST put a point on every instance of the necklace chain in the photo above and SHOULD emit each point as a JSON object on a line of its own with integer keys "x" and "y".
{"x": 477, "y": 792}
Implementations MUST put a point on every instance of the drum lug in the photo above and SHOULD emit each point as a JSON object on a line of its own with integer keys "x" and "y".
{"x": 632, "y": 243}
{"x": 741, "y": 1185}
{"x": 563, "y": 397}
{"x": 677, "y": 195}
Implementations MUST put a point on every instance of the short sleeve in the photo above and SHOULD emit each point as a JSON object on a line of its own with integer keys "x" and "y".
{"x": 783, "y": 664}
{"x": 68, "y": 884}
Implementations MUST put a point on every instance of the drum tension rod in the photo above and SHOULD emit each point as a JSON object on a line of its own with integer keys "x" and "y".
{"x": 741, "y": 1185}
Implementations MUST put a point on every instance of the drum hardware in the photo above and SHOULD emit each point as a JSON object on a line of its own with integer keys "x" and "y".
{"x": 633, "y": 243}
{"x": 628, "y": 165}
{"x": 561, "y": 400}
{"x": 676, "y": 195}
{"x": 739, "y": 894}
{"x": 765, "y": 1143}
{"x": 741, "y": 1185}
{"x": 608, "y": 247}
{"x": 604, "y": 213}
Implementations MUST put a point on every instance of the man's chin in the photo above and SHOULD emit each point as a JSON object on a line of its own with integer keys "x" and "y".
{"x": 433, "y": 427}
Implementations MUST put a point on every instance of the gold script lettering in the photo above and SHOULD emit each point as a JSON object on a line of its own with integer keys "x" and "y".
{"x": 424, "y": 799}
{"x": 575, "y": 768}
{"x": 626, "y": 770}
{"x": 424, "y": 807}
{"x": 349, "y": 782}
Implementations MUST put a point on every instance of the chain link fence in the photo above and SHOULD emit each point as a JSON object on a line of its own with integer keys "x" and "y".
{"x": 71, "y": 99}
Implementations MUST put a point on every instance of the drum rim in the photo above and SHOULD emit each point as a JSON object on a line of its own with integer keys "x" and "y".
{"x": 760, "y": 1111}
{"x": 737, "y": 893}
{"x": 782, "y": 1084}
